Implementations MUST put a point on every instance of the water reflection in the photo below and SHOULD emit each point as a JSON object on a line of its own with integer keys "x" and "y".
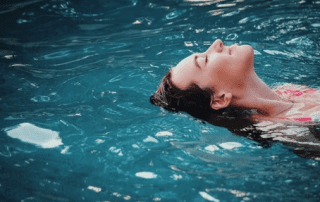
{"x": 29, "y": 133}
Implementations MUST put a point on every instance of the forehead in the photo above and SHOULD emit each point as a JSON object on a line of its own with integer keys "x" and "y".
{"x": 182, "y": 75}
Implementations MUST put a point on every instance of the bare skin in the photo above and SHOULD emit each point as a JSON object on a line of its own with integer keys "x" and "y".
{"x": 230, "y": 70}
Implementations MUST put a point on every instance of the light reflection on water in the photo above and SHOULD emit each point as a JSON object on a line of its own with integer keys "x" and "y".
{"x": 78, "y": 75}
{"x": 32, "y": 134}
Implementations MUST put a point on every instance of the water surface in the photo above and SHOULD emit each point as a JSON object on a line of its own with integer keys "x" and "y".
{"x": 77, "y": 124}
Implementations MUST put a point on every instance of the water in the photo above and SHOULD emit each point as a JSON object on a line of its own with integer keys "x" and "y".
{"x": 77, "y": 124}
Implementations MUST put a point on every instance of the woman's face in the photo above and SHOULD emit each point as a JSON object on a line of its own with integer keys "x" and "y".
{"x": 222, "y": 67}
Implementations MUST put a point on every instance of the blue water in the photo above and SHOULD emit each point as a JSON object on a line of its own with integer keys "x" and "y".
{"x": 76, "y": 122}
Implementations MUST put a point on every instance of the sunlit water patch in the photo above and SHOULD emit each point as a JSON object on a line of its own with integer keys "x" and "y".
{"x": 32, "y": 134}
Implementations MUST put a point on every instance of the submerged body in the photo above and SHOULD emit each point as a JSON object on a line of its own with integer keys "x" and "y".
{"x": 305, "y": 105}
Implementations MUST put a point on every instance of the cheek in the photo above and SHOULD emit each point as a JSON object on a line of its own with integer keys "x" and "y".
{"x": 205, "y": 79}
{"x": 225, "y": 76}
{"x": 227, "y": 68}
{"x": 230, "y": 76}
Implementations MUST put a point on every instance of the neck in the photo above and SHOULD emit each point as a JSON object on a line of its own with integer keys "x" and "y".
{"x": 258, "y": 95}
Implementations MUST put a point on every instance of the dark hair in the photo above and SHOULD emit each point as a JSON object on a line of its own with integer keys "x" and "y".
{"x": 196, "y": 102}
{"x": 193, "y": 100}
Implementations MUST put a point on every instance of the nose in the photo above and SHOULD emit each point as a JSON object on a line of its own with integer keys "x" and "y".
{"x": 216, "y": 46}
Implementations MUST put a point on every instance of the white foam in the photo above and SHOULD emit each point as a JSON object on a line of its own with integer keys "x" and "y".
{"x": 255, "y": 52}
{"x": 32, "y": 134}
{"x": 208, "y": 197}
{"x": 146, "y": 175}
{"x": 116, "y": 151}
{"x": 176, "y": 177}
{"x": 65, "y": 150}
{"x": 163, "y": 133}
{"x": 211, "y": 148}
{"x": 150, "y": 139}
{"x": 96, "y": 189}
{"x": 230, "y": 145}
{"x": 99, "y": 141}
{"x": 315, "y": 25}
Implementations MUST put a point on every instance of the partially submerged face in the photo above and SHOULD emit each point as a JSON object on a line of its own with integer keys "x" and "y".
{"x": 223, "y": 67}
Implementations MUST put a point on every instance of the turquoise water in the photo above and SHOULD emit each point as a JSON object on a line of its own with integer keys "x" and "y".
{"x": 77, "y": 125}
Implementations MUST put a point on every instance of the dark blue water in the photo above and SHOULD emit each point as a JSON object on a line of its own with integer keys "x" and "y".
{"x": 77, "y": 124}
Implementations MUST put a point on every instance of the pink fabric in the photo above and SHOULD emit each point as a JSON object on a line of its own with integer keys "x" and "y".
{"x": 309, "y": 91}
{"x": 303, "y": 119}
{"x": 293, "y": 93}
{"x": 296, "y": 92}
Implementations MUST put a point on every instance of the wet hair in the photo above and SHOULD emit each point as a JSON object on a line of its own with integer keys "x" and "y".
{"x": 193, "y": 100}
{"x": 196, "y": 102}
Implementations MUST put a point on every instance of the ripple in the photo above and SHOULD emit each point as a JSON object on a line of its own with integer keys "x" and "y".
{"x": 232, "y": 37}
{"x": 6, "y": 153}
{"x": 175, "y": 14}
{"x": 201, "y": 3}
{"x": 131, "y": 108}
{"x": 208, "y": 197}
{"x": 244, "y": 20}
{"x": 57, "y": 55}
{"x": 43, "y": 98}
{"x": 230, "y": 14}
{"x": 51, "y": 73}
{"x": 256, "y": 52}
{"x": 225, "y": 5}
{"x": 13, "y": 7}
{"x": 93, "y": 26}
{"x": 276, "y": 52}
{"x": 216, "y": 12}
{"x": 300, "y": 41}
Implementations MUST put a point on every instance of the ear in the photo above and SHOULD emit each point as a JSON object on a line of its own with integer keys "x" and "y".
{"x": 221, "y": 101}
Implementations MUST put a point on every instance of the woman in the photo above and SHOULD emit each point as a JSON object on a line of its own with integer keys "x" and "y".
{"x": 223, "y": 77}
{"x": 221, "y": 87}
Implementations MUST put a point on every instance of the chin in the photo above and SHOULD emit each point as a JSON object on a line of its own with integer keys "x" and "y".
{"x": 248, "y": 51}
{"x": 248, "y": 54}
